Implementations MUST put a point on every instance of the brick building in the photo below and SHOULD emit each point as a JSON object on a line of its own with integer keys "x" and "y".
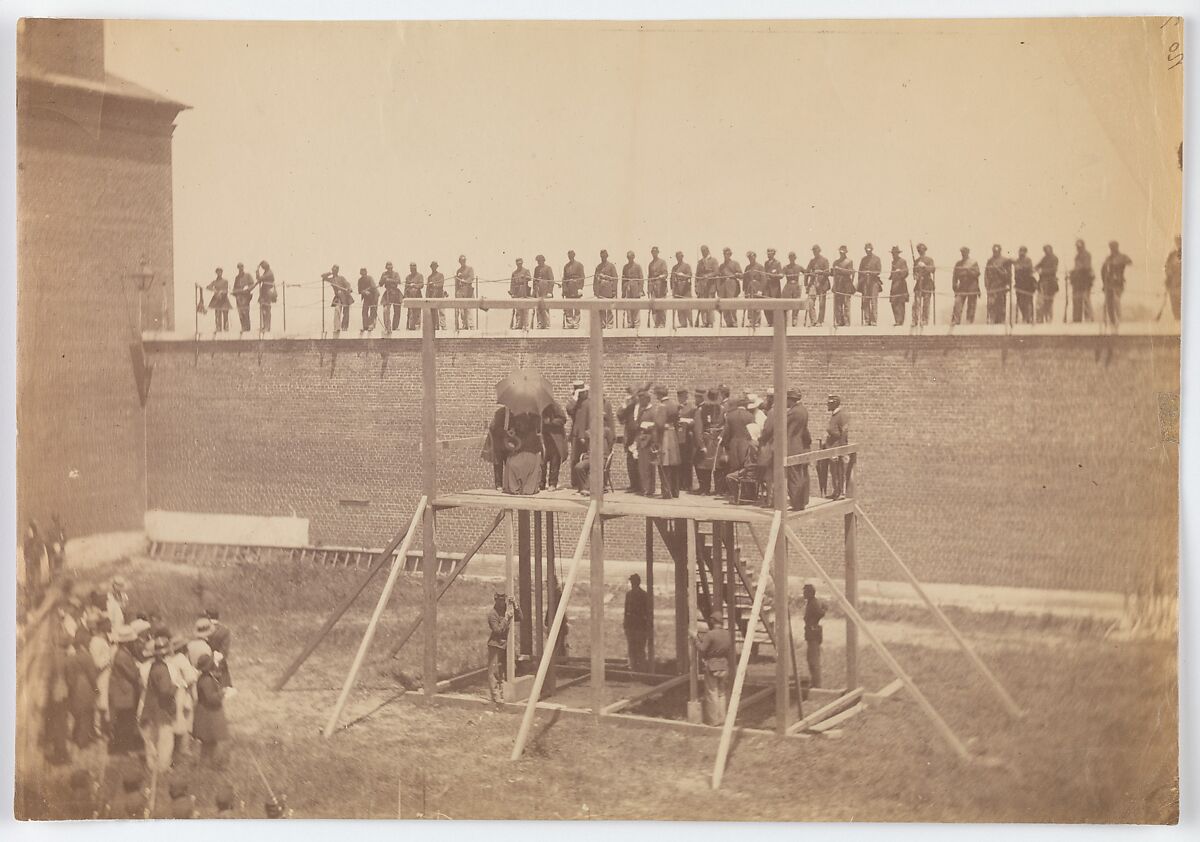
{"x": 94, "y": 268}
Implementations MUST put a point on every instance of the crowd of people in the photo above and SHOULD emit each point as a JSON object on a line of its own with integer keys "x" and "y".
{"x": 1015, "y": 289}
{"x": 708, "y": 441}
{"x": 117, "y": 680}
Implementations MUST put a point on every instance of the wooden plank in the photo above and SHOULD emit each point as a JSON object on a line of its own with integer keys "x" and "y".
{"x": 525, "y": 583}
{"x": 1014, "y": 710}
{"x": 461, "y": 680}
{"x": 429, "y": 402}
{"x": 889, "y": 690}
{"x": 693, "y": 671}
{"x": 836, "y": 720}
{"x": 650, "y": 592}
{"x": 936, "y": 718}
{"x": 462, "y": 565}
{"x": 817, "y": 455}
{"x": 593, "y": 305}
{"x": 510, "y": 651}
{"x": 744, "y": 661}
{"x": 418, "y": 515}
{"x": 645, "y": 695}
{"x": 579, "y": 679}
{"x": 596, "y": 486}
{"x": 836, "y": 706}
{"x": 555, "y": 628}
{"x": 678, "y": 725}
{"x": 850, "y": 532}
{"x": 539, "y": 625}
{"x": 783, "y": 631}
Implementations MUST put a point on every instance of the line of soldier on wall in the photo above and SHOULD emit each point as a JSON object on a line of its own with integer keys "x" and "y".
{"x": 706, "y": 441}
{"x": 1034, "y": 288}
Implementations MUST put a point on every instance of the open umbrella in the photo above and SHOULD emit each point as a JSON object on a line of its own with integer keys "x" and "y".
{"x": 525, "y": 390}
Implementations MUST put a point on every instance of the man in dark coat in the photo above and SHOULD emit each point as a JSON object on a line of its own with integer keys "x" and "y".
{"x": 656, "y": 285}
{"x": 543, "y": 287}
{"x": 631, "y": 415}
{"x": 267, "y": 295}
{"x": 997, "y": 279}
{"x": 729, "y": 285}
{"x": 666, "y": 436}
{"x": 799, "y": 440}
{"x": 1112, "y": 276}
{"x": 414, "y": 287}
{"x": 604, "y": 285}
{"x": 685, "y": 431}
{"x": 637, "y": 622}
{"x": 464, "y": 287}
{"x": 393, "y": 298}
{"x": 924, "y": 270}
{"x": 157, "y": 717}
{"x": 554, "y": 442}
{"x": 1082, "y": 277}
{"x": 965, "y": 282}
{"x": 710, "y": 426}
{"x": 836, "y": 435}
{"x": 681, "y": 287}
{"x": 870, "y": 284}
{"x": 519, "y": 287}
{"x": 498, "y": 437}
{"x": 792, "y": 287}
{"x": 843, "y": 287}
{"x": 773, "y": 271}
{"x": 898, "y": 293}
{"x": 219, "y": 302}
{"x": 435, "y": 287}
{"x": 221, "y": 641}
{"x": 124, "y": 692}
{"x": 368, "y": 293}
{"x": 816, "y": 281}
{"x": 707, "y": 270}
{"x": 736, "y": 436}
{"x": 243, "y": 289}
{"x": 580, "y": 429}
{"x": 572, "y": 287}
{"x": 1025, "y": 286}
{"x": 755, "y": 287}
{"x": 1047, "y": 270}
{"x": 632, "y": 282}
{"x": 814, "y": 610}
{"x": 343, "y": 297}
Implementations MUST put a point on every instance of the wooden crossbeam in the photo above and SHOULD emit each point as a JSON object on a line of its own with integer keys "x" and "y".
{"x": 645, "y": 695}
{"x": 837, "y": 719}
{"x": 811, "y": 456}
{"x": 555, "y": 629}
{"x": 369, "y": 635}
{"x": 1014, "y": 710}
{"x": 936, "y": 718}
{"x": 739, "y": 678}
{"x": 836, "y": 706}
{"x": 596, "y": 304}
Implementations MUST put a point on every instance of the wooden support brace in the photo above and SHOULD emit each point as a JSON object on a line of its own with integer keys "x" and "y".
{"x": 837, "y": 719}
{"x": 1014, "y": 710}
{"x": 755, "y": 698}
{"x": 852, "y": 613}
{"x": 555, "y": 628}
{"x": 645, "y": 695}
{"x": 744, "y": 661}
{"x": 836, "y": 706}
{"x": 361, "y": 655}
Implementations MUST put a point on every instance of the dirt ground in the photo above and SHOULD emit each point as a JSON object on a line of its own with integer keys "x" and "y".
{"x": 1098, "y": 742}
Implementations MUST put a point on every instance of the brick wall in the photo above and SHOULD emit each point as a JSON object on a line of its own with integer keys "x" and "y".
{"x": 94, "y": 199}
{"x": 1032, "y": 461}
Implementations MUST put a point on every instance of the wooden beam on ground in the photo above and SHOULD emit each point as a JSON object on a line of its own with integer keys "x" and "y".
{"x": 852, "y": 613}
{"x": 360, "y": 656}
{"x": 1014, "y": 710}
{"x": 758, "y": 696}
{"x": 837, "y": 719}
{"x": 461, "y": 680}
{"x": 744, "y": 661}
{"x": 889, "y": 690}
{"x": 645, "y": 695}
{"x": 459, "y": 568}
{"x": 342, "y": 608}
{"x": 836, "y": 706}
{"x": 555, "y": 629}
{"x": 571, "y": 682}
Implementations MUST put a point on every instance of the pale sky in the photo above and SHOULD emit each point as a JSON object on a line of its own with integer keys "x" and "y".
{"x": 317, "y": 143}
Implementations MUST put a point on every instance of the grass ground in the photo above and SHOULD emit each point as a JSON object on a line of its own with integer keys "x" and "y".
{"x": 1098, "y": 743}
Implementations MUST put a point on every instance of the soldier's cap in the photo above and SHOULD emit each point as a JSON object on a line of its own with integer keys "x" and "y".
{"x": 679, "y": 254}
{"x": 843, "y": 248}
{"x": 387, "y": 265}
{"x": 963, "y": 249}
{"x": 500, "y": 595}
{"x": 832, "y": 398}
{"x": 869, "y": 247}
{"x": 462, "y": 257}
{"x": 1113, "y": 244}
{"x": 770, "y": 251}
{"x": 240, "y": 266}
{"x": 792, "y": 255}
{"x": 540, "y": 257}
{"x": 336, "y": 267}
{"x": 816, "y": 248}
{"x": 629, "y": 254}
{"x": 794, "y": 394}
{"x": 362, "y": 270}
{"x": 751, "y": 254}
{"x": 633, "y": 577}
{"x": 995, "y": 247}
{"x": 727, "y": 250}
{"x": 1079, "y": 243}
{"x": 654, "y": 249}
{"x": 412, "y": 266}
{"x": 895, "y": 249}
{"x": 433, "y": 264}
{"x": 660, "y": 391}
{"x": 1022, "y": 249}
{"x": 520, "y": 260}
{"x": 921, "y": 247}
{"x": 219, "y": 270}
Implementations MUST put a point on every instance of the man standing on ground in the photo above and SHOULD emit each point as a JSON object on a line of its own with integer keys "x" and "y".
{"x": 814, "y": 636}
{"x": 729, "y": 285}
{"x": 715, "y": 651}
{"x": 1047, "y": 270}
{"x": 870, "y": 284}
{"x": 706, "y": 272}
{"x": 997, "y": 279}
{"x": 1025, "y": 284}
{"x": 464, "y": 287}
{"x": 816, "y": 281}
{"x": 500, "y": 620}
{"x": 638, "y": 618}
{"x": 681, "y": 287}
{"x": 1112, "y": 276}
{"x": 657, "y": 285}
{"x": 632, "y": 281}
{"x": 572, "y": 287}
{"x": 1082, "y": 277}
{"x": 898, "y": 293}
{"x": 965, "y": 282}
{"x": 543, "y": 287}
{"x": 604, "y": 285}
{"x": 843, "y": 287}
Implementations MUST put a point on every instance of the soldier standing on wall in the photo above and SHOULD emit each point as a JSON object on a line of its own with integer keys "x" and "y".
{"x": 219, "y": 303}
{"x": 1025, "y": 284}
{"x": 518, "y": 287}
{"x": 543, "y": 287}
{"x": 464, "y": 287}
{"x": 656, "y": 285}
{"x": 267, "y": 295}
{"x": 392, "y": 297}
{"x": 435, "y": 287}
{"x": 414, "y": 284}
{"x": 774, "y": 288}
{"x": 1082, "y": 277}
{"x": 898, "y": 293}
{"x": 681, "y": 287}
{"x": 1047, "y": 270}
{"x": 604, "y": 285}
{"x": 870, "y": 284}
{"x": 572, "y": 287}
{"x": 923, "y": 286}
{"x": 843, "y": 287}
{"x": 631, "y": 287}
{"x": 965, "y": 282}
{"x": 997, "y": 279}
{"x": 1112, "y": 276}
{"x": 342, "y": 298}
{"x": 791, "y": 288}
{"x": 816, "y": 280}
{"x": 706, "y": 271}
{"x": 243, "y": 287}
{"x": 729, "y": 284}
{"x": 368, "y": 291}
